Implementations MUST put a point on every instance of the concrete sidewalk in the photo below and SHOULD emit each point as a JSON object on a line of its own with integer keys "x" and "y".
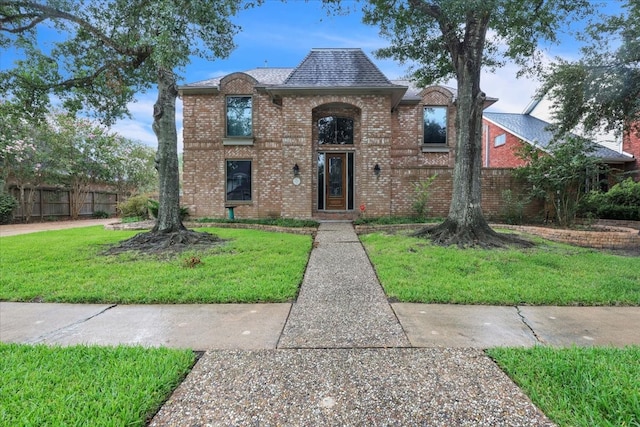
{"x": 259, "y": 326}
{"x": 340, "y": 355}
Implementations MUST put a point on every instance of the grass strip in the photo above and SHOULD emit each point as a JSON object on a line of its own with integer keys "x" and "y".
{"x": 80, "y": 385}
{"x": 596, "y": 386}
{"x": 414, "y": 270}
{"x": 66, "y": 266}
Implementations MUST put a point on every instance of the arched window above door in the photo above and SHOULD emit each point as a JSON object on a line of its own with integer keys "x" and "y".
{"x": 335, "y": 130}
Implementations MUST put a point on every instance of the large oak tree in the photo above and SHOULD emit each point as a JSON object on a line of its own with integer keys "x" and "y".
{"x": 457, "y": 38}
{"x": 104, "y": 52}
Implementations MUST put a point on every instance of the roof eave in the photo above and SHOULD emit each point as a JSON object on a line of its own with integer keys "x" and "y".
{"x": 198, "y": 90}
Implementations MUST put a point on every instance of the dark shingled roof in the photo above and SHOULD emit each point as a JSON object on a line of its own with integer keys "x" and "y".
{"x": 337, "y": 68}
{"x": 536, "y": 132}
{"x": 265, "y": 76}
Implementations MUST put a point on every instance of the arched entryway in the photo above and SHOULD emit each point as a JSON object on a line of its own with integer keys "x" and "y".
{"x": 336, "y": 136}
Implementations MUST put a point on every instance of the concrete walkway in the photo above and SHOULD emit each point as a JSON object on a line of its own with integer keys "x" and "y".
{"x": 341, "y": 303}
{"x": 340, "y": 355}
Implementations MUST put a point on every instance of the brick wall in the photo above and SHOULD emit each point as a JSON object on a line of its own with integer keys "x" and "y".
{"x": 494, "y": 182}
{"x": 285, "y": 133}
{"x": 503, "y": 156}
{"x": 631, "y": 145}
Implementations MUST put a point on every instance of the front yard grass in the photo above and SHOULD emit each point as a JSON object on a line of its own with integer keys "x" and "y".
{"x": 580, "y": 387}
{"x": 92, "y": 386}
{"x": 66, "y": 266}
{"x": 414, "y": 270}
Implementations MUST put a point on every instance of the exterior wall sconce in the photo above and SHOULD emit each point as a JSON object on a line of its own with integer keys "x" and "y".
{"x": 376, "y": 170}
{"x": 296, "y": 170}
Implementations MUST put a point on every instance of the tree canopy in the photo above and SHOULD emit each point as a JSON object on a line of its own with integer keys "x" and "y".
{"x": 457, "y": 38}
{"x": 601, "y": 90}
{"x": 106, "y": 51}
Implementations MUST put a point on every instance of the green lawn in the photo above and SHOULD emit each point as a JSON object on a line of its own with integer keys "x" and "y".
{"x": 88, "y": 386}
{"x": 578, "y": 386}
{"x": 66, "y": 266}
{"x": 413, "y": 270}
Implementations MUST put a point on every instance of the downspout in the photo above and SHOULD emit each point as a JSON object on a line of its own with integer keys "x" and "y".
{"x": 486, "y": 145}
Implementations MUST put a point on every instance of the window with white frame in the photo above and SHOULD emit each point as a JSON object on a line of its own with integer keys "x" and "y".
{"x": 500, "y": 140}
{"x": 239, "y": 116}
{"x": 435, "y": 125}
{"x": 238, "y": 180}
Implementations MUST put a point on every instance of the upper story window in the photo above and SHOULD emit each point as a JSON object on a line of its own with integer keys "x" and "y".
{"x": 239, "y": 116}
{"x": 500, "y": 140}
{"x": 435, "y": 125}
{"x": 335, "y": 130}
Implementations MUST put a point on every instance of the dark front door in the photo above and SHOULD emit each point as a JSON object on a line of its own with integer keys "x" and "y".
{"x": 336, "y": 179}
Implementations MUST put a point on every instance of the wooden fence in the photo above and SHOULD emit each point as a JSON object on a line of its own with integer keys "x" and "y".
{"x": 53, "y": 202}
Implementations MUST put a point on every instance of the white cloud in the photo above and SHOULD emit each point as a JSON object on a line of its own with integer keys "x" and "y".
{"x": 139, "y": 126}
{"x": 513, "y": 93}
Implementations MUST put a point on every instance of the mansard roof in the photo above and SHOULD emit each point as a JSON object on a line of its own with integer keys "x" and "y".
{"x": 337, "y": 68}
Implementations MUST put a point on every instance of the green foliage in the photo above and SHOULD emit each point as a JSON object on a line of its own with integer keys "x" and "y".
{"x": 412, "y": 270}
{"x": 154, "y": 206}
{"x": 581, "y": 387}
{"x": 248, "y": 266}
{"x": 421, "y": 196}
{"x": 560, "y": 175}
{"x": 435, "y": 35}
{"x": 7, "y": 204}
{"x": 601, "y": 89}
{"x": 512, "y": 209}
{"x": 101, "y": 214}
{"x": 46, "y": 385}
{"x": 622, "y": 201}
{"x": 105, "y": 52}
{"x": 135, "y": 206}
{"x": 95, "y": 64}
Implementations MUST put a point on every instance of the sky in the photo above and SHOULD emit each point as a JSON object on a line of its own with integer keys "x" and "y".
{"x": 278, "y": 34}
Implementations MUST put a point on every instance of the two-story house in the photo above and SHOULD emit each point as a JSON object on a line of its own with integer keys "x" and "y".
{"x": 330, "y": 138}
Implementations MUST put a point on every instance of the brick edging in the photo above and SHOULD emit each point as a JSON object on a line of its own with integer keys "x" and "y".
{"x": 621, "y": 238}
{"x": 147, "y": 225}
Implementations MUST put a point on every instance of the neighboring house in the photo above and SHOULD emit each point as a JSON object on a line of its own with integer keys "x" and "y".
{"x": 332, "y": 138}
{"x": 505, "y": 133}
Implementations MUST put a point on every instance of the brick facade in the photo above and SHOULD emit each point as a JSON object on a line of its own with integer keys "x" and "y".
{"x": 285, "y": 132}
{"x": 501, "y": 156}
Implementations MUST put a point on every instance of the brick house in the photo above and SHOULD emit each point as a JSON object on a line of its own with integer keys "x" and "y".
{"x": 321, "y": 140}
{"x": 505, "y": 133}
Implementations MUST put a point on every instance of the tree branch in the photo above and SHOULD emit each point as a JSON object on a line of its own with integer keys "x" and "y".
{"x": 48, "y": 12}
{"x": 8, "y": 19}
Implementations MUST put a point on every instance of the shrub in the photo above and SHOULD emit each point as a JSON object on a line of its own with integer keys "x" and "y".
{"x": 622, "y": 201}
{"x": 512, "y": 209}
{"x": 135, "y": 206}
{"x": 101, "y": 214}
{"x": 421, "y": 194}
{"x": 154, "y": 205}
{"x": 7, "y": 204}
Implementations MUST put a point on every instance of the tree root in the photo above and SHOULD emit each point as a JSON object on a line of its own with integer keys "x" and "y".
{"x": 154, "y": 242}
{"x": 450, "y": 233}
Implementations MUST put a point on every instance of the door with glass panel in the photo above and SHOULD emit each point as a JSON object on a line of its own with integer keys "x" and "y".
{"x": 335, "y": 181}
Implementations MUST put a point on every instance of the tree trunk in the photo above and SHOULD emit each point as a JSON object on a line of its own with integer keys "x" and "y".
{"x": 465, "y": 224}
{"x": 164, "y": 126}
{"x": 169, "y": 234}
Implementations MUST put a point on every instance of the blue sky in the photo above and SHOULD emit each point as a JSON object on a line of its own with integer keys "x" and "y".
{"x": 279, "y": 34}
